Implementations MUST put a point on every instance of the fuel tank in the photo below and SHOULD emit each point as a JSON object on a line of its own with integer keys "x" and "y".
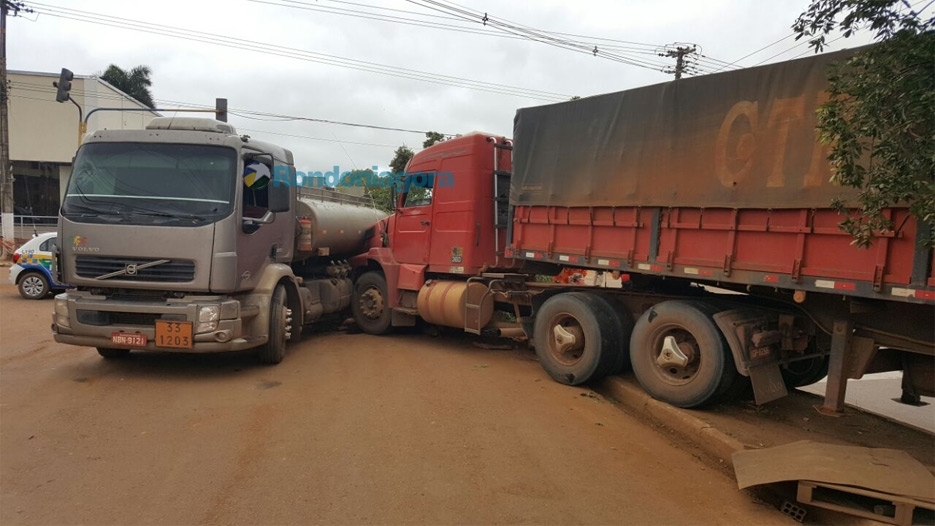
{"x": 442, "y": 303}
{"x": 332, "y": 229}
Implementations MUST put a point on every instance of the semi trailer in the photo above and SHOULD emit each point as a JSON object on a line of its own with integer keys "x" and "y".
{"x": 176, "y": 238}
{"x": 702, "y": 205}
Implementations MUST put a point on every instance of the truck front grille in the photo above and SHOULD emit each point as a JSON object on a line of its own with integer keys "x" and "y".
{"x": 135, "y": 269}
{"x": 103, "y": 318}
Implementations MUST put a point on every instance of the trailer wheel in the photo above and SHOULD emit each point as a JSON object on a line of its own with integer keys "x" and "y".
{"x": 33, "y": 286}
{"x": 369, "y": 304}
{"x": 804, "y": 372}
{"x": 679, "y": 356}
{"x": 623, "y": 330}
{"x": 280, "y": 320}
{"x": 113, "y": 354}
{"x": 574, "y": 338}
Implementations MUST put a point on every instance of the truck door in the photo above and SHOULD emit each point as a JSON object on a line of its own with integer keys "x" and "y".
{"x": 414, "y": 220}
{"x": 258, "y": 243}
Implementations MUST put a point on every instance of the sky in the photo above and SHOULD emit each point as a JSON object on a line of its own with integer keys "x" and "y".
{"x": 279, "y": 57}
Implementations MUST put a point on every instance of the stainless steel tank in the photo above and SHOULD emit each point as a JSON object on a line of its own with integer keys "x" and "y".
{"x": 332, "y": 229}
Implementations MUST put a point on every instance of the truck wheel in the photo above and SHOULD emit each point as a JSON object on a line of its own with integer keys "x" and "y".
{"x": 369, "y": 304}
{"x": 113, "y": 354}
{"x": 622, "y": 331}
{"x": 33, "y": 286}
{"x": 679, "y": 356}
{"x": 804, "y": 372}
{"x": 280, "y": 319}
{"x": 574, "y": 337}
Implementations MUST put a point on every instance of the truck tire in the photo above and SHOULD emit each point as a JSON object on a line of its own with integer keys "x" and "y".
{"x": 679, "y": 356}
{"x": 369, "y": 304}
{"x": 575, "y": 338}
{"x": 623, "y": 330}
{"x": 273, "y": 351}
{"x": 804, "y": 372}
{"x": 113, "y": 354}
{"x": 33, "y": 286}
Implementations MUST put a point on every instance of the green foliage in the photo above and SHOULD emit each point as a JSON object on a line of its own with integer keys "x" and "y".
{"x": 135, "y": 83}
{"x": 880, "y": 118}
{"x": 401, "y": 158}
{"x": 432, "y": 138}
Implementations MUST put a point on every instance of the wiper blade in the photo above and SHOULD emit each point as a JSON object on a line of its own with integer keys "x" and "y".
{"x": 167, "y": 215}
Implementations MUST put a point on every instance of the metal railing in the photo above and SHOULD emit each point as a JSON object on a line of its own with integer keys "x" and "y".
{"x": 25, "y": 227}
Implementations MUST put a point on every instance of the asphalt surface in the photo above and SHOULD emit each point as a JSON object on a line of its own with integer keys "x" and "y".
{"x": 349, "y": 429}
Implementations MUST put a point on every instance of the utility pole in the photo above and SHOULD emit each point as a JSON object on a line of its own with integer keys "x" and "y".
{"x": 6, "y": 169}
{"x": 679, "y": 54}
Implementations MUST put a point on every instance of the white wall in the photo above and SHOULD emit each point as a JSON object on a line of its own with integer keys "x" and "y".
{"x": 42, "y": 129}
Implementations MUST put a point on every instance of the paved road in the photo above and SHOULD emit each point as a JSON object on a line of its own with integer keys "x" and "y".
{"x": 348, "y": 429}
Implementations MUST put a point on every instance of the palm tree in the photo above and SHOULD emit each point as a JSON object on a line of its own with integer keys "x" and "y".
{"x": 135, "y": 83}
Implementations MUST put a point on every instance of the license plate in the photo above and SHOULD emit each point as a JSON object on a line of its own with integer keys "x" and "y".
{"x": 174, "y": 334}
{"x": 133, "y": 339}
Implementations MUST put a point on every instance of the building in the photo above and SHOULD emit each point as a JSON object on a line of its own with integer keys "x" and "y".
{"x": 44, "y": 133}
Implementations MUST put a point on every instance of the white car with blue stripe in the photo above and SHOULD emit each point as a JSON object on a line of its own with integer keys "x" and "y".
{"x": 32, "y": 271}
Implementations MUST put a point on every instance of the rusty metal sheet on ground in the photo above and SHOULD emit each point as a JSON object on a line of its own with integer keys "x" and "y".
{"x": 884, "y": 470}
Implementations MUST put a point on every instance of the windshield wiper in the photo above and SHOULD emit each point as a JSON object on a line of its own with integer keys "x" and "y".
{"x": 179, "y": 215}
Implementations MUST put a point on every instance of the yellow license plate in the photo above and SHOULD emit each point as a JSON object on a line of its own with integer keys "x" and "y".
{"x": 174, "y": 334}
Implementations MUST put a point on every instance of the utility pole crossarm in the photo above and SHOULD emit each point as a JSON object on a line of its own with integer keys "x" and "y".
{"x": 679, "y": 54}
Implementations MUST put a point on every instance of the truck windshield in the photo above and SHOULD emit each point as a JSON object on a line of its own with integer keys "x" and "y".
{"x": 147, "y": 183}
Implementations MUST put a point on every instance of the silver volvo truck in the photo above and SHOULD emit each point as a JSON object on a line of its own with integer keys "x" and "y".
{"x": 188, "y": 237}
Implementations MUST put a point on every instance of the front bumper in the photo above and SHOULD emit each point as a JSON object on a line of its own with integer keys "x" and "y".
{"x": 81, "y": 318}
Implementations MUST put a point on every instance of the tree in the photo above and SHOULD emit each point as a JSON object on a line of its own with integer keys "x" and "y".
{"x": 401, "y": 158}
{"x": 432, "y": 138}
{"x": 880, "y": 119}
{"x": 135, "y": 83}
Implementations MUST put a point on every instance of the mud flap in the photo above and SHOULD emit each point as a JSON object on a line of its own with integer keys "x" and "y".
{"x": 767, "y": 382}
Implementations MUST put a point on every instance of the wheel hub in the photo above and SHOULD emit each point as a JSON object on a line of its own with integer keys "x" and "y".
{"x": 371, "y": 303}
{"x": 672, "y": 355}
{"x": 567, "y": 341}
{"x": 32, "y": 285}
{"x": 678, "y": 357}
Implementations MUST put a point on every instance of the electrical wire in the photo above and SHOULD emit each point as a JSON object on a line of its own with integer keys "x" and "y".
{"x": 300, "y": 54}
{"x": 632, "y": 47}
{"x": 532, "y": 33}
{"x": 240, "y": 112}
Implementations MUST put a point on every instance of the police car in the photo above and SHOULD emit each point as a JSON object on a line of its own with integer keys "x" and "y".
{"x": 32, "y": 267}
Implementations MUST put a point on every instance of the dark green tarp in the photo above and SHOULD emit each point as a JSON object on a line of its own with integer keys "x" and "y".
{"x": 739, "y": 139}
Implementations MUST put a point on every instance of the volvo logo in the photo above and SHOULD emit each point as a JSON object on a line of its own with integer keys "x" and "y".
{"x": 132, "y": 269}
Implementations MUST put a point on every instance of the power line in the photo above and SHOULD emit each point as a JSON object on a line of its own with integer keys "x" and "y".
{"x": 631, "y": 47}
{"x": 240, "y": 112}
{"x": 532, "y": 33}
{"x": 17, "y": 96}
{"x": 287, "y": 52}
{"x": 767, "y": 46}
{"x": 319, "y": 138}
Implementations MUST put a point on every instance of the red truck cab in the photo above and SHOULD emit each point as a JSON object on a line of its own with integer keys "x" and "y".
{"x": 450, "y": 220}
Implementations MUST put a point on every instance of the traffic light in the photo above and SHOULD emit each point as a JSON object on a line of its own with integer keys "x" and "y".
{"x": 220, "y": 109}
{"x": 64, "y": 85}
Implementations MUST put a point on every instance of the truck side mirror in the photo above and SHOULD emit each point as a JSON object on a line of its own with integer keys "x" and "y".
{"x": 279, "y": 196}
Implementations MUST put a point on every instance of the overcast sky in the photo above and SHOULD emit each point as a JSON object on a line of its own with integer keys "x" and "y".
{"x": 189, "y": 71}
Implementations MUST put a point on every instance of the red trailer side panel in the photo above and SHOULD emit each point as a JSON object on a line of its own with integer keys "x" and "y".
{"x": 798, "y": 249}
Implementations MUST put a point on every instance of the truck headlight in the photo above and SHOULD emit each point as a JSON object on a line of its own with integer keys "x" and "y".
{"x": 61, "y": 311}
{"x": 208, "y": 316}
